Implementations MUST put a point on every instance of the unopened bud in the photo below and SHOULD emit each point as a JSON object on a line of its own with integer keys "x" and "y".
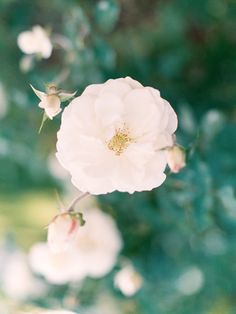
{"x": 176, "y": 158}
{"x": 51, "y": 104}
{"x": 62, "y": 231}
{"x": 51, "y": 99}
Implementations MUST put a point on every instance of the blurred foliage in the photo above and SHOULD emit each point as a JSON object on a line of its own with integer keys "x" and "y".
{"x": 187, "y": 50}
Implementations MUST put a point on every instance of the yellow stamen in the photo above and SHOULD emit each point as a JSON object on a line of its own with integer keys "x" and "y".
{"x": 120, "y": 141}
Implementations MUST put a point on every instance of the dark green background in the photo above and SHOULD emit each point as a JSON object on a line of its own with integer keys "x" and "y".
{"x": 185, "y": 48}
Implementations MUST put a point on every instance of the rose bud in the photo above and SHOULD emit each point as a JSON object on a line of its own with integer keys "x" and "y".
{"x": 176, "y": 158}
{"x": 62, "y": 231}
{"x": 51, "y": 104}
{"x": 51, "y": 100}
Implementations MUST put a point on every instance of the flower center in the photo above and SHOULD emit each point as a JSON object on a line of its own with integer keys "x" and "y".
{"x": 120, "y": 141}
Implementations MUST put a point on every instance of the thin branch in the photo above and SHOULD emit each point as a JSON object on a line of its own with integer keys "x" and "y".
{"x": 76, "y": 200}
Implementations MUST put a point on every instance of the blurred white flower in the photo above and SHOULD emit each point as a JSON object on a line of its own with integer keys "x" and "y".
{"x": 98, "y": 243}
{"x": 191, "y": 281}
{"x": 128, "y": 281}
{"x": 62, "y": 232}
{"x": 35, "y": 41}
{"x": 56, "y": 169}
{"x": 176, "y": 158}
{"x": 17, "y": 280}
{"x": 215, "y": 243}
{"x": 121, "y": 130}
{"x": 57, "y": 268}
{"x": 93, "y": 254}
{"x": 103, "y": 5}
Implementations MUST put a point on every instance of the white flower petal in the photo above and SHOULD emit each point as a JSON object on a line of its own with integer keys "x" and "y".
{"x": 57, "y": 268}
{"x": 116, "y": 87}
{"x": 92, "y": 90}
{"x": 98, "y": 243}
{"x": 141, "y": 113}
{"x": 43, "y": 41}
{"x": 50, "y": 112}
{"x": 35, "y": 41}
{"x": 172, "y": 121}
{"x": 38, "y": 93}
{"x": 109, "y": 109}
{"x": 154, "y": 174}
{"x": 26, "y": 42}
{"x": 82, "y": 107}
{"x": 93, "y": 254}
{"x": 132, "y": 83}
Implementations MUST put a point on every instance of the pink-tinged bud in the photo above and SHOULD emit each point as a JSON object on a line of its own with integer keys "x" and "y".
{"x": 51, "y": 100}
{"x": 51, "y": 104}
{"x": 176, "y": 158}
{"x": 62, "y": 232}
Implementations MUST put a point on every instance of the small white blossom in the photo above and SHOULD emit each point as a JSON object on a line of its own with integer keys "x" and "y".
{"x": 57, "y": 268}
{"x": 128, "y": 281}
{"x": 176, "y": 158}
{"x": 35, "y": 41}
{"x": 62, "y": 231}
{"x": 191, "y": 281}
{"x": 17, "y": 280}
{"x": 121, "y": 131}
{"x": 98, "y": 243}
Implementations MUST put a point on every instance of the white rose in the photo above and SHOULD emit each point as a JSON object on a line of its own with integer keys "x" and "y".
{"x": 93, "y": 254}
{"x": 128, "y": 280}
{"x": 57, "y": 268}
{"x": 176, "y": 158}
{"x": 98, "y": 243}
{"x": 35, "y": 41}
{"x": 16, "y": 272}
{"x": 112, "y": 137}
{"x": 62, "y": 231}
